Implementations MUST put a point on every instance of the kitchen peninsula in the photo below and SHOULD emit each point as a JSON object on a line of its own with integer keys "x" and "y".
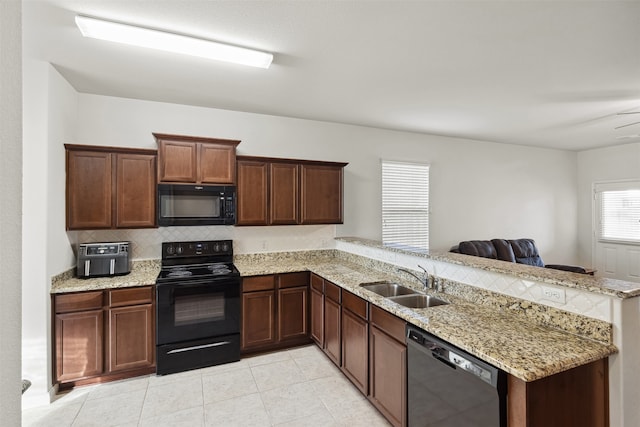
{"x": 528, "y": 340}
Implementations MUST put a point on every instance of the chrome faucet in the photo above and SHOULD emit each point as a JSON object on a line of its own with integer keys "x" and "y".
{"x": 425, "y": 281}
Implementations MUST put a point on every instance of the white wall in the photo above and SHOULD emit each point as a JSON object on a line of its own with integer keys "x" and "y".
{"x": 10, "y": 209}
{"x": 479, "y": 190}
{"x": 50, "y": 107}
{"x": 598, "y": 165}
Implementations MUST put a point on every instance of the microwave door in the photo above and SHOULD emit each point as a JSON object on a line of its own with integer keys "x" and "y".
{"x": 189, "y": 206}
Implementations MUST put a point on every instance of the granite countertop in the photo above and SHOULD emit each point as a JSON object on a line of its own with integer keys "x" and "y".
{"x": 143, "y": 273}
{"x": 520, "y": 347}
{"x": 524, "y": 349}
{"x": 601, "y": 285}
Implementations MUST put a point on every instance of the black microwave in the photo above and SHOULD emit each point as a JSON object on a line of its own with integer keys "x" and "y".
{"x": 187, "y": 204}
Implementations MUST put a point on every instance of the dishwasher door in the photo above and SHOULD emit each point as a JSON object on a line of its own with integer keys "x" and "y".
{"x": 448, "y": 387}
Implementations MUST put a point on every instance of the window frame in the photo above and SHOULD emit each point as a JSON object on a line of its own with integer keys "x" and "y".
{"x": 606, "y": 187}
{"x": 391, "y": 238}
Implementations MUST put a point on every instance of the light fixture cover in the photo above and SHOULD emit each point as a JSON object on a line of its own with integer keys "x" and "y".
{"x": 177, "y": 43}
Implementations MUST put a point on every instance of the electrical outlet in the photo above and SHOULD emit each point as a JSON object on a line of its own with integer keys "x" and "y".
{"x": 554, "y": 294}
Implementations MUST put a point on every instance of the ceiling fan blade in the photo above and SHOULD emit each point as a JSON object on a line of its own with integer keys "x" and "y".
{"x": 628, "y": 112}
{"x": 624, "y": 126}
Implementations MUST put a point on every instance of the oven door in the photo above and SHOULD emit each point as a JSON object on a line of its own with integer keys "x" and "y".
{"x": 197, "y": 309}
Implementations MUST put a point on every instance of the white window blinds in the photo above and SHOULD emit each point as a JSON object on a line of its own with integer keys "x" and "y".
{"x": 405, "y": 205}
{"x": 619, "y": 212}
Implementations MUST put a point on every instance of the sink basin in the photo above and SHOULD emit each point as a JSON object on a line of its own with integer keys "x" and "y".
{"x": 418, "y": 301}
{"x": 388, "y": 289}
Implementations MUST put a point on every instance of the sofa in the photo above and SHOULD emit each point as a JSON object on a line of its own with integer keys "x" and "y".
{"x": 520, "y": 251}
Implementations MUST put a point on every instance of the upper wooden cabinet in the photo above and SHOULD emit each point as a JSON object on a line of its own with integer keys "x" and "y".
{"x": 321, "y": 194}
{"x": 275, "y": 191}
{"x": 197, "y": 160}
{"x": 110, "y": 187}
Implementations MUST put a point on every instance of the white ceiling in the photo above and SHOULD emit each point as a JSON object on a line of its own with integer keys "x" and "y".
{"x": 540, "y": 73}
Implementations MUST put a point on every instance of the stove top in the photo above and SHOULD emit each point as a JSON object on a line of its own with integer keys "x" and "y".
{"x": 187, "y": 261}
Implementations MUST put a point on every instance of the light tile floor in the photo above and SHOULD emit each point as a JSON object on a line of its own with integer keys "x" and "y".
{"x": 297, "y": 387}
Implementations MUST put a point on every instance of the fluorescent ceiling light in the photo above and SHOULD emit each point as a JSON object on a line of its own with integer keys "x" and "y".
{"x": 154, "y": 39}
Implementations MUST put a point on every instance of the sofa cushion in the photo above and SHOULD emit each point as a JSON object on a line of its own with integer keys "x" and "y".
{"x": 504, "y": 250}
{"x": 526, "y": 252}
{"x": 481, "y": 248}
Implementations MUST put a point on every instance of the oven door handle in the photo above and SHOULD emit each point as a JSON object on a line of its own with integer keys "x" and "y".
{"x": 198, "y": 347}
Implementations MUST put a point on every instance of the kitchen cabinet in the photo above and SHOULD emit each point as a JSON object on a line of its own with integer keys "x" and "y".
{"x": 355, "y": 340}
{"x": 388, "y": 366}
{"x": 275, "y": 311}
{"x": 131, "y": 329}
{"x": 78, "y": 331}
{"x": 577, "y": 397}
{"x": 274, "y": 191}
{"x": 332, "y": 322}
{"x": 317, "y": 310}
{"x": 321, "y": 194}
{"x": 252, "y": 193}
{"x": 196, "y": 160}
{"x": 110, "y": 187}
{"x": 326, "y": 317}
{"x": 103, "y": 335}
{"x": 258, "y": 312}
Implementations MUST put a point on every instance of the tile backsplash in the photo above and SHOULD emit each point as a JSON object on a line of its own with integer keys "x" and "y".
{"x": 146, "y": 243}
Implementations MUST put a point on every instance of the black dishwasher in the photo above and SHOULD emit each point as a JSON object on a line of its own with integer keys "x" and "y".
{"x": 448, "y": 387}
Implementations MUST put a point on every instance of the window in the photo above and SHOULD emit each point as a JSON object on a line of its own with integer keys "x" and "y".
{"x": 405, "y": 205}
{"x": 618, "y": 207}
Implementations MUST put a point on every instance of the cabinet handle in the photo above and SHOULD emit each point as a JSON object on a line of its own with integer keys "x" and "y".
{"x": 198, "y": 347}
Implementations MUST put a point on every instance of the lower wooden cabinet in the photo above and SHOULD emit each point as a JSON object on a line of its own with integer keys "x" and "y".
{"x": 317, "y": 310}
{"x": 332, "y": 330}
{"x": 130, "y": 345}
{"x": 577, "y": 397}
{"x": 388, "y": 365}
{"x": 355, "y": 341}
{"x": 275, "y": 311}
{"x": 103, "y": 335}
{"x": 79, "y": 345}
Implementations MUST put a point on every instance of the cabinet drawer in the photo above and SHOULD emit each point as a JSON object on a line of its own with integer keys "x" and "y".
{"x": 354, "y": 304}
{"x": 258, "y": 283}
{"x": 290, "y": 280}
{"x": 317, "y": 283}
{"x": 130, "y": 296}
{"x": 387, "y": 322}
{"x": 66, "y": 303}
{"x": 332, "y": 291}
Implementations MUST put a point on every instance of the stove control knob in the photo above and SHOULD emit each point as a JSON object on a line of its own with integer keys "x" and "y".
{"x": 225, "y": 247}
{"x": 170, "y": 250}
{"x": 179, "y": 250}
{"x": 216, "y": 247}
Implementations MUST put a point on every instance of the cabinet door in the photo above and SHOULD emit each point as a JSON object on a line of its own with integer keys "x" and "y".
{"x": 217, "y": 164}
{"x": 293, "y": 315}
{"x": 332, "y": 329}
{"x": 258, "y": 312}
{"x": 321, "y": 195}
{"x": 388, "y": 376}
{"x": 135, "y": 190}
{"x": 252, "y": 193}
{"x": 89, "y": 185}
{"x": 79, "y": 345}
{"x": 178, "y": 161}
{"x": 284, "y": 202}
{"x": 317, "y": 317}
{"x": 131, "y": 337}
{"x": 355, "y": 350}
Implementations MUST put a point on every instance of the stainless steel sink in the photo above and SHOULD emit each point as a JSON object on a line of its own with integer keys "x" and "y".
{"x": 418, "y": 301}
{"x": 388, "y": 289}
